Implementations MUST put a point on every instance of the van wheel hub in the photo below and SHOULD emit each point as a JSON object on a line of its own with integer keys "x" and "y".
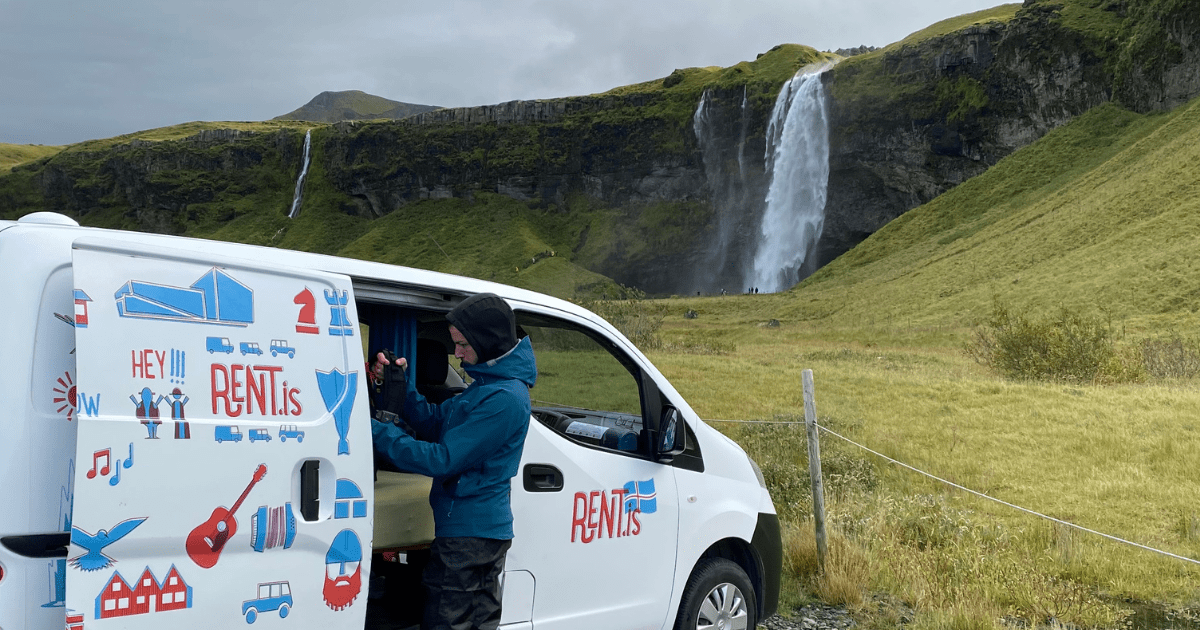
{"x": 723, "y": 609}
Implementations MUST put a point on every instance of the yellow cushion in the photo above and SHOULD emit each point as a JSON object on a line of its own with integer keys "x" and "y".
{"x": 403, "y": 517}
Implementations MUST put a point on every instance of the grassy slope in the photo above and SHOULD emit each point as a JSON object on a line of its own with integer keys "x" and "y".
{"x": 14, "y": 154}
{"x": 184, "y": 130}
{"x": 1097, "y": 216}
{"x": 1003, "y": 12}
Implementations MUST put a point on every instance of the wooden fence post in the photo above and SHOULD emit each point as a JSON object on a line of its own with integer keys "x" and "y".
{"x": 814, "y": 466}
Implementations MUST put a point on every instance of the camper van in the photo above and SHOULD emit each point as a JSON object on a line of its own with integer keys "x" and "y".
{"x": 630, "y": 511}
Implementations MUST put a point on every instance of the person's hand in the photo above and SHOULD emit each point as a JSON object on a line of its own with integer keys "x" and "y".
{"x": 380, "y": 361}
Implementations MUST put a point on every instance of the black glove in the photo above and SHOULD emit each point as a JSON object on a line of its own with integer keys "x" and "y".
{"x": 390, "y": 393}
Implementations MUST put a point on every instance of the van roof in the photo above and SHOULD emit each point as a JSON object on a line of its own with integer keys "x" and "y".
{"x": 433, "y": 281}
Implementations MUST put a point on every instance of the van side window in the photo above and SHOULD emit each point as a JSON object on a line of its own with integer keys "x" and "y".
{"x": 584, "y": 390}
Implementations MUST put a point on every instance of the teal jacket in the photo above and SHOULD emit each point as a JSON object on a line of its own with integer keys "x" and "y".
{"x": 470, "y": 444}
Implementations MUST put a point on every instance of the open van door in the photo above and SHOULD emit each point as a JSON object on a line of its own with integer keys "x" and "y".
{"x": 178, "y": 521}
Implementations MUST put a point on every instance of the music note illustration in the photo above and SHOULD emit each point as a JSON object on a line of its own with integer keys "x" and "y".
{"x": 116, "y": 478}
{"x": 129, "y": 462}
{"x": 107, "y": 455}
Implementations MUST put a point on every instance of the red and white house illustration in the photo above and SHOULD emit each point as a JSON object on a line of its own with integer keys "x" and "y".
{"x": 81, "y": 309}
{"x": 145, "y": 595}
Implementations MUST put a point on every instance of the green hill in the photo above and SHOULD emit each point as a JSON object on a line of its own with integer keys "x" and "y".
{"x": 1099, "y": 216}
{"x": 14, "y": 154}
{"x": 331, "y": 107}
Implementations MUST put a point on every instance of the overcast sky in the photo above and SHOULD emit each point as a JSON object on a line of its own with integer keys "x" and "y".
{"x": 73, "y": 70}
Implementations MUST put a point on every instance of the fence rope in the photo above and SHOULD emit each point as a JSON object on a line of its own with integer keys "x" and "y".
{"x": 974, "y": 492}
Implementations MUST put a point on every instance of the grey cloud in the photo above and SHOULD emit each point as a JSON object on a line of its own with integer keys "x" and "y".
{"x": 76, "y": 70}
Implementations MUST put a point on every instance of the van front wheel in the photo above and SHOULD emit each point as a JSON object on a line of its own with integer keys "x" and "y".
{"x": 718, "y": 597}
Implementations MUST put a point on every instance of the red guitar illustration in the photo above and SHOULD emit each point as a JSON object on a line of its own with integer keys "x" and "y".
{"x": 205, "y": 543}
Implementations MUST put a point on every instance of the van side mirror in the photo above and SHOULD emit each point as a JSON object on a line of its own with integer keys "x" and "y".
{"x": 671, "y": 434}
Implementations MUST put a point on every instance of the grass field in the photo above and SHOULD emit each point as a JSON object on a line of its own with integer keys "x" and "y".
{"x": 1118, "y": 459}
{"x": 14, "y": 154}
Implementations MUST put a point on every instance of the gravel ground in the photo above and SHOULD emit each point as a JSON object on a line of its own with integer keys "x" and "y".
{"x": 811, "y": 617}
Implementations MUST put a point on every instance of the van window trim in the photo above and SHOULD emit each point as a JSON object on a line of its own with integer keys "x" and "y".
{"x": 376, "y": 291}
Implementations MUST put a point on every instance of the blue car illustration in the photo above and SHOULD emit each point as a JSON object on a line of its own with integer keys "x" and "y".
{"x": 290, "y": 431}
{"x": 227, "y": 433}
{"x": 259, "y": 434}
{"x": 280, "y": 346}
{"x": 271, "y": 596}
{"x": 250, "y": 347}
{"x": 219, "y": 344}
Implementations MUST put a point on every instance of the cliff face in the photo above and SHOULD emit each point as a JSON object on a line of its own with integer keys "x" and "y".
{"x": 982, "y": 93}
{"x": 669, "y": 175}
{"x": 676, "y": 203}
{"x": 544, "y": 152}
{"x": 154, "y": 186}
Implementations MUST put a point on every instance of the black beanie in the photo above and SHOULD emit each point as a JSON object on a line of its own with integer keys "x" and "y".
{"x": 487, "y": 323}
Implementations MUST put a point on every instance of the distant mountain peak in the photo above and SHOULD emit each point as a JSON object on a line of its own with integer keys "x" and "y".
{"x": 331, "y": 107}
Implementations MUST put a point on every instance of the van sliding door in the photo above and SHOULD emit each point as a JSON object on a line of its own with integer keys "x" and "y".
{"x": 223, "y": 424}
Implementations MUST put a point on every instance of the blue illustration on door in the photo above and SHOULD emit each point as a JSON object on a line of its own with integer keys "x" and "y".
{"x": 272, "y": 527}
{"x": 95, "y": 559}
{"x": 339, "y": 321}
{"x": 337, "y": 391}
{"x": 215, "y": 298}
{"x": 640, "y": 495}
{"x": 349, "y": 501}
{"x": 58, "y": 568}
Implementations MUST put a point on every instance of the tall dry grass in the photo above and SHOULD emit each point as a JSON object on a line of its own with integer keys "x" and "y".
{"x": 1116, "y": 458}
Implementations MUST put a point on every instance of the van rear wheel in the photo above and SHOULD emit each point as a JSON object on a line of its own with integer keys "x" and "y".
{"x": 718, "y": 596}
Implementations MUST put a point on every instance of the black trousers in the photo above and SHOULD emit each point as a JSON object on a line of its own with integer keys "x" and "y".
{"x": 462, "y": 583}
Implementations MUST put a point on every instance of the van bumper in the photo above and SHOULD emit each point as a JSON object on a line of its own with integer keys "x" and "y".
{"x": 768, "y": 544}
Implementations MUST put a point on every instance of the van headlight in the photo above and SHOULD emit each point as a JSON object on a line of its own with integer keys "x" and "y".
{"x": 762, "y": 481}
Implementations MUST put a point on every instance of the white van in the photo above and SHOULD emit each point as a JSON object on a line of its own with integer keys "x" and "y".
{"x": 123, "y": 507}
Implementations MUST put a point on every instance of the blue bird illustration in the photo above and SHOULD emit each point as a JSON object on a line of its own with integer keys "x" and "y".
{"x": 94, "y": 559}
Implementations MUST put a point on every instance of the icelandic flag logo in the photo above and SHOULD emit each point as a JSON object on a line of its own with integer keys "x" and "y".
{"x": 639, "y": 495}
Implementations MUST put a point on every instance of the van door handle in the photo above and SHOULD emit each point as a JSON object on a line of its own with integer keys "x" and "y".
{"x": 542, "y": 478}
{"x": 310, "y": 490}
{"x": 38, "y": 545}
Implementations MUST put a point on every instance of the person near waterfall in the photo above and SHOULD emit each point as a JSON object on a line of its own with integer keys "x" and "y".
{"x": 471, "y": 445}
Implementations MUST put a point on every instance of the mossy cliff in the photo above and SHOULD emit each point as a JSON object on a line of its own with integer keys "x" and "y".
{"x": 616, "y": 178}
{"x": 633, "y": 184}
{"x": 917, "y": 118}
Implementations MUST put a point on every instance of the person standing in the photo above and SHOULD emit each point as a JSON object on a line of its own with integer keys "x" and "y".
{"x": 471, "y": 446}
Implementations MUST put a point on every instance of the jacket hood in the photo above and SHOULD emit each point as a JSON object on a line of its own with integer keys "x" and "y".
{"x": 487, "y": 323}
{"x": 518, "y": 363}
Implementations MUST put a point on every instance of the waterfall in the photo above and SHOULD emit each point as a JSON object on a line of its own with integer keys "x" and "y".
{"x": 300, "y": 180}
{"x": 741, "y": 146}
{"x": 715, "y": 123}
{"x": 702, "y": 127}
{"x": 797, "y": 156}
